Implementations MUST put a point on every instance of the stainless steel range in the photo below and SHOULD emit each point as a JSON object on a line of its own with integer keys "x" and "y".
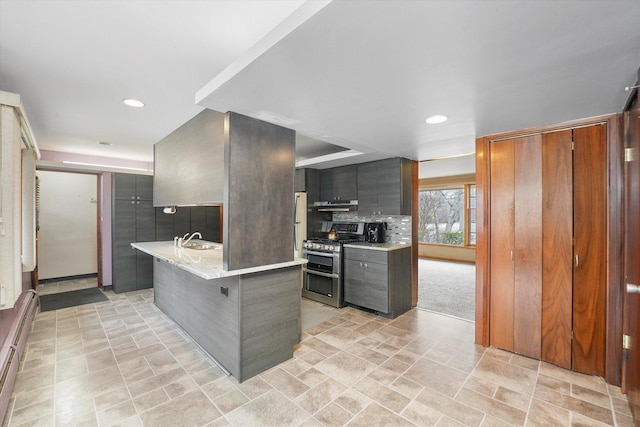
{"x": 323, "y": 281}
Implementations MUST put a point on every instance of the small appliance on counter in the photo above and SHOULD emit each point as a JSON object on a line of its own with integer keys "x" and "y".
{"x": 374, "y": 232}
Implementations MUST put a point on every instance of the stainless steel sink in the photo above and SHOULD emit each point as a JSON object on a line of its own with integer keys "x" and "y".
{"x": 199, "y": 246}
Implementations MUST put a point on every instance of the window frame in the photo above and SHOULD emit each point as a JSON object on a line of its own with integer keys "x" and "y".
{"x": 450, "y": 183}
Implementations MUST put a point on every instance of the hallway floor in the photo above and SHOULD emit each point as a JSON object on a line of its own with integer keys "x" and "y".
{"x": 66, "y": 285}
{"x": 123, "y": 362}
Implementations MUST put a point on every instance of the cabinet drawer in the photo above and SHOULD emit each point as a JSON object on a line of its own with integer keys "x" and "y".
{"x": 370, "y": 255}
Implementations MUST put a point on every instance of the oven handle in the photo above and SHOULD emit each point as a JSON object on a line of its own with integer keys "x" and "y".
{"x": 318, "y": 273}
{"x": 325, "y": 254}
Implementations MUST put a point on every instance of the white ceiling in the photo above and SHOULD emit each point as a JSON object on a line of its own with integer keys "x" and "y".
{"x": 358, "y": 74}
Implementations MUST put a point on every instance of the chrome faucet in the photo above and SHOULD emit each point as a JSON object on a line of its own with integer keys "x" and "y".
{"x": 185, "y": 240}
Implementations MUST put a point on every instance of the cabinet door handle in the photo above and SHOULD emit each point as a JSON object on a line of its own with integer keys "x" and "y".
{"x": 132, "y": 202}
{"x": 577, "y": 260}
{"x": 361, "y": 265}
{"x": 511, "y": 255}
{"x": 633, "y": 289}
{"x": 133, "y": 197}
{"x": 365, "y": 265}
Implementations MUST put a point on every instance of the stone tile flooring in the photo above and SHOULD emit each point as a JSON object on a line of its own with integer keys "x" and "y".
{"x": 124, "y": 363}
{"x": 66, "y": 285}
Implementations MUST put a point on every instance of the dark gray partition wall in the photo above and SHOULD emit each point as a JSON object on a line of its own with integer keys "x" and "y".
{"x": 258, "y": 196}
{"x": 245, "y": 164}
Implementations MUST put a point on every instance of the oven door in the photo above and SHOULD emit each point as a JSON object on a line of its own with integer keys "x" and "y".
{"x": 322, "y": 287}
{"x": 322, "y": 262}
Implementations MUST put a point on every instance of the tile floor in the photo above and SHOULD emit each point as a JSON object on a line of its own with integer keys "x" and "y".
{"x": 66, "y": 285}
{"x": 124, "y": 363}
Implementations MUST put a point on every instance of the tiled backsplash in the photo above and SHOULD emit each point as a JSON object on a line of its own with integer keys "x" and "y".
{"x": 398, "y": 226}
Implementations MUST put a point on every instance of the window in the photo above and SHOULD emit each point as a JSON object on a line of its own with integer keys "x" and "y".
{"x": 471, "y": 214}
{"x": 447, "y": 215}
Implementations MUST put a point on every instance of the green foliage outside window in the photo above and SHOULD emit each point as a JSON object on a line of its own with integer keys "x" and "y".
{"x": 442, "y": 218}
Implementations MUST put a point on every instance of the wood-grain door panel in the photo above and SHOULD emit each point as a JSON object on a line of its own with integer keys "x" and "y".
{"x": 527, "y": 246}
{"x": 501, "y": 303}
{"x": 557, "y": 248}
{"x": 590, "y": 249}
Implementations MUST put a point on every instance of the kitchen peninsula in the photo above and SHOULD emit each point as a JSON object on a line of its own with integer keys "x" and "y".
{"x": 239, "y": 300}
{"x": 247, "y": 319}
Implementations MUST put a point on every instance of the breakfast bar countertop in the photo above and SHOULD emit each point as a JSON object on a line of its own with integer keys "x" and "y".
{"x": 204, "y": 263}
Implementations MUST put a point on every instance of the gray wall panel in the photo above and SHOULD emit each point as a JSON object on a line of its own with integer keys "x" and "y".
{"x": 197, "y": 305}
{"x": 189, "y": 163}
{"x": 259, "y": 196}
{"x": 270, "y": 318}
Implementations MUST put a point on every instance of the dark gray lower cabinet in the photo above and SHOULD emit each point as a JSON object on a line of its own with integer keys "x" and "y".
{"x": 378, "y": 280}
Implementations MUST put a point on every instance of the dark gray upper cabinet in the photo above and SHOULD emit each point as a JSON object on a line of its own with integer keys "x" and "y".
{"x": 308, "y": 180}
{"x": 299, "y": 180}
{"x": 339, "y": 183}
{"x": 384, "y": 187}
{"x": 132, "y": 187}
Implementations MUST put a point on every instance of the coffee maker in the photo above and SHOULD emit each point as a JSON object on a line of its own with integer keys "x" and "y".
{"x": 374, "y": 232}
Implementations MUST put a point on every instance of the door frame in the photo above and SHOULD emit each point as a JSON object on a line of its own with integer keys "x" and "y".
{"x": 615, "y": 187}
{"x": 99, "y": 178}
{"x": 630, "y": 384}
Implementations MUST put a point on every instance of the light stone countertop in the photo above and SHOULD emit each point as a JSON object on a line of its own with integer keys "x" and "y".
{"x": 203, "y": 263}
{"x": 377, "y": 246}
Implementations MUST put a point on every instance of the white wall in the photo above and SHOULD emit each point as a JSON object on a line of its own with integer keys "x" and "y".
{"x": 448, "y": 167}
{"x": 67, "y": 240}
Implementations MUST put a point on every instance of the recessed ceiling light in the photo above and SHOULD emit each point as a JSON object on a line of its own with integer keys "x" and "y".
{"x": 133, "y": 103}
{"x": 438, "y": 118}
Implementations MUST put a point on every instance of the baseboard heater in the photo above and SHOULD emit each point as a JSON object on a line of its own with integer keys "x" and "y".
{"x": 13, "y": 347}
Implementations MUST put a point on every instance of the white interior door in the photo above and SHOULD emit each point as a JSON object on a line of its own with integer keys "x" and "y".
{"x": 67, "y": 239}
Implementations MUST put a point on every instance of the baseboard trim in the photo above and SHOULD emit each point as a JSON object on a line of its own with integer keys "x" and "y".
{"x": 64, "y": 278}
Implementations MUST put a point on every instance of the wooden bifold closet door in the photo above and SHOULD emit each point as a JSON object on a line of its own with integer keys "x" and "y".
{"x": 516, "y": 245}
{"x": 590, "y": 249}
{"x": 548, "y": 247}
{"x": 557, "y": 248}
{"x": 574, "y": 224}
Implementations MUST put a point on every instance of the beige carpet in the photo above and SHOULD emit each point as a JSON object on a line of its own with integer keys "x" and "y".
{"x": 447, "y": 288}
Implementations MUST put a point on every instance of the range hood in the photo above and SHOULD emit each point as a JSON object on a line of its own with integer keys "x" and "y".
{"x": 336, "y": 206}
